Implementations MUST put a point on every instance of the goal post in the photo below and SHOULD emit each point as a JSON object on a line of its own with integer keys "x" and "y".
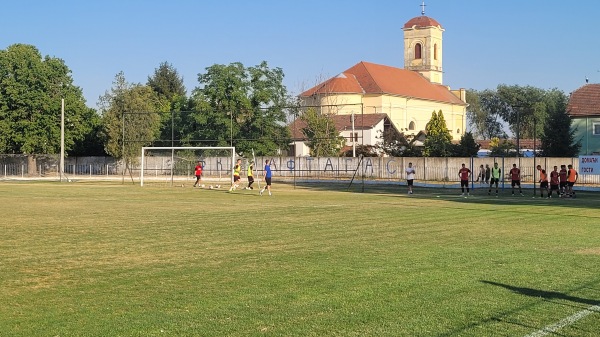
{"x": 215, "y": 167}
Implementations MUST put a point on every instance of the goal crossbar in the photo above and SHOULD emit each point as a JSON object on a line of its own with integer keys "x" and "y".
{"x": 173, "y": 148}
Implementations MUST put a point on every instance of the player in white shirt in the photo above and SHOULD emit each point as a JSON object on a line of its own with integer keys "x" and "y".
{"x": 410, "y": 177}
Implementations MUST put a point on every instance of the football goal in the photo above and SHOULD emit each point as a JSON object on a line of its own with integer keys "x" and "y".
{"x": 175, "y": 165}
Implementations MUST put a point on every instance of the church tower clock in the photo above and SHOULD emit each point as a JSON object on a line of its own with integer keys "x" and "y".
{"x": 423, "y": 46}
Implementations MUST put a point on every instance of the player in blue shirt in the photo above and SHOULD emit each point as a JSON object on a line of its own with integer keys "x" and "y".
{"x": 268, "y": 174}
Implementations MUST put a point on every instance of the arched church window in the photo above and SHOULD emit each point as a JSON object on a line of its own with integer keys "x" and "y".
{"x": 411, "y": 126}
{"x": 435, "y": 51}
{"x": 417, "y": 51}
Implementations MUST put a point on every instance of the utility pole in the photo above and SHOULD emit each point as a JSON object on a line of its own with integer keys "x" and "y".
{"x": 353, "y": 138}
{"x": 62, "y": 138}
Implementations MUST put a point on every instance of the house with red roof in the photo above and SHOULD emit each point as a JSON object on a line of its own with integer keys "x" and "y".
{"x": 356, "y": 129}
{"x": 408, "y": 96}
{"x": 584, "y": 110}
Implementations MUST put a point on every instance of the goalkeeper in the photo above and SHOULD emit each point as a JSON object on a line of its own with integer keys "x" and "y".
{"x": 198, "y": 173}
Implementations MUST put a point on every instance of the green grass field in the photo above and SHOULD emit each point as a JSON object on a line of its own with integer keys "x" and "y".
{"x": 101, "y": 259}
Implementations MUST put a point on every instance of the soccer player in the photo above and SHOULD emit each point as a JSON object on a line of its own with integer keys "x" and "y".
{"x": 268, "y": 175}
{"x": 198, "y": 173}
{"x": 571, "y": 180}
{"x": 481, "y": 175}
{"x": 543, "y": 183}
{"x": 554, "y": 182}
{"x": 515, "y": 176}
{"x": 410, "y": 177}
{"x": 562, "y": 175}
{"x": 237, "y": 169}
{"x": 250, "y": 176}
{"x": 464, "y": 173}
{"x": 495, "y": 178}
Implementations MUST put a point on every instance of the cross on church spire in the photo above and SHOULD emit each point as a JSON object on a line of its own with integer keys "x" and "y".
{"x": 423, "y": 8}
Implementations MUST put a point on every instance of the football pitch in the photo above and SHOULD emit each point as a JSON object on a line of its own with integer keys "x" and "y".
{"x": 105, "y": 259}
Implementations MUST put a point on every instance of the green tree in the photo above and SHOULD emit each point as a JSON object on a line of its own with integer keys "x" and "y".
{"x": 168, "y": 86}
{"x": 395, "y": 144}
{"x": 240, "y": 106}
{"x": 483, "y": 113}
{"x": 439, "y": 141}
{"x": 501, "y": 148}
{"x": 558, "y": 140}
{"x": 324, "y": 139}
{"x": 467, "y": 147}
{"x": 93, "y": 142}
{"x": 130, "y": 111}
{"x": 31, "y": 89}
{"x": 167, "y": 83}
{"x": 520, "y": 107}
{"x": 362, "y": 150}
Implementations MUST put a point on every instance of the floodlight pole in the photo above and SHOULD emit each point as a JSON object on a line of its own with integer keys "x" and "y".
{"x": 62, "y": 138}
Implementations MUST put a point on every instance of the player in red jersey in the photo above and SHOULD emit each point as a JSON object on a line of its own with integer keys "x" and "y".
{"x": 554, "y": 180}
{"x": 464, "y": 173}
{"x": 562, "y": 175}
{"x": 515, "y": 177}
{"x": 198, "y": 172}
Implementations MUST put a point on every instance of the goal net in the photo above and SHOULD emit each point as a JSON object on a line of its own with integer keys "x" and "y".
{"x": 175, "y": 166}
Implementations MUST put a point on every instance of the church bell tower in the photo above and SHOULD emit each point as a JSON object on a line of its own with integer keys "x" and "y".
{"x": 423, "y": 46}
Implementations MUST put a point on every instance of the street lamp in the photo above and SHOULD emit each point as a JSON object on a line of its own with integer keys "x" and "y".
{"x": 516, "y": 108}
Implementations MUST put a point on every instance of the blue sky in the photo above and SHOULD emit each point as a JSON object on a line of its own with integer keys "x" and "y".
{"x": 542, "y": 43}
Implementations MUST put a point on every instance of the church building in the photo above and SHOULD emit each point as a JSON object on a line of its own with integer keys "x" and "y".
{"x": 407, "y": 96}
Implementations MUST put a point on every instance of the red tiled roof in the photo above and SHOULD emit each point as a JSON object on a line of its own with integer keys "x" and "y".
{"x": 371, "y": 78}
{"x": 342, "y": 123}
{"x": 422, "y": 21}
{"x": 342, "y": 83}
{"x": 585, "y": 101}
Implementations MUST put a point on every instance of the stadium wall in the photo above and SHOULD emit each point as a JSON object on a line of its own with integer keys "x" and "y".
{"x": 329, "y": 168}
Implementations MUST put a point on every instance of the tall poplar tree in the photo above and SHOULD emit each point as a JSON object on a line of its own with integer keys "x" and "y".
{"x": 439, "y": 140}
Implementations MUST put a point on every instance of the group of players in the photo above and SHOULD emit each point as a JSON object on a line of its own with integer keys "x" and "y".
{"x": 237, "y": 170}
{"x": 559, "y": 182}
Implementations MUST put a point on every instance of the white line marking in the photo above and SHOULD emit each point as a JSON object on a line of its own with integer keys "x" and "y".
{"x": 567, "y": 321}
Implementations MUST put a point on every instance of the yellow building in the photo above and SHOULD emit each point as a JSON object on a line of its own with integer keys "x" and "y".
{"x": 408, "y": 96}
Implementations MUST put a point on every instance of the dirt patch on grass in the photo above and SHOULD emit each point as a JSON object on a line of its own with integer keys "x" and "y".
{"x": 589, "y": 251}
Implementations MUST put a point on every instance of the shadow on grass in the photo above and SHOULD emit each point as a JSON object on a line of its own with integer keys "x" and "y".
{"x": 479, "y": 195}
{"x": 546, "y": 295}
{"x": 531, "y": 292}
